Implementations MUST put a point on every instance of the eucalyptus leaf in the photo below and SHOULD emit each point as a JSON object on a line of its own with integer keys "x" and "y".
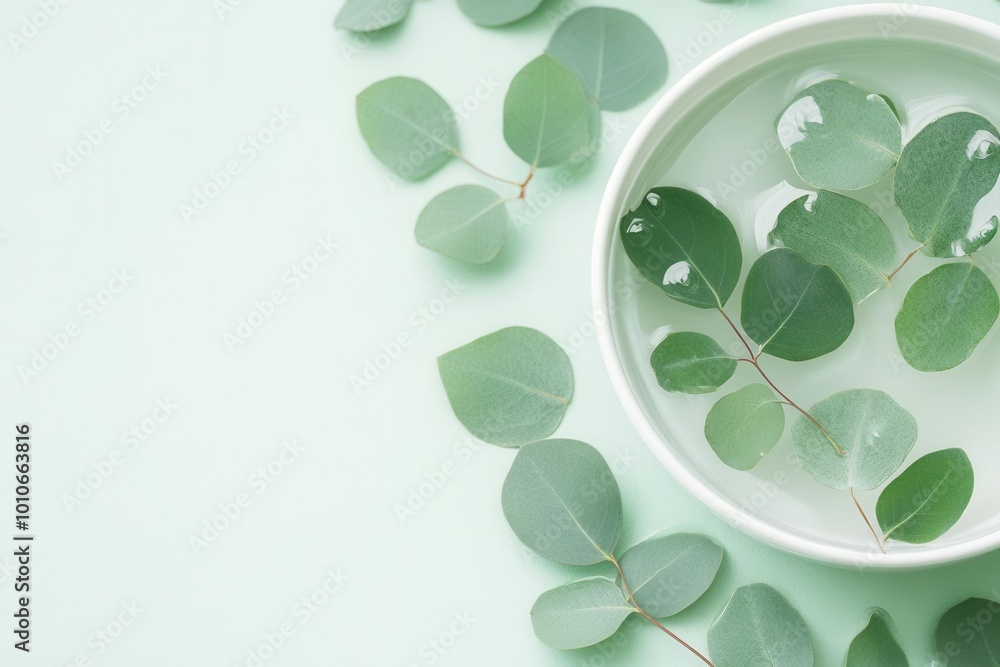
{"x": 684, "y": 245}
{"x": 759, "y": 628}
{"x": 691, "y": 363}
{"x": 876, "y": 646}
{"x": 371, "y": 15}
{"x": 795, "y": 309}
{"x": 408, "y": 126}
{"x": 745, "y": 425}
{"x": 875, "y": 433}
{"x": 580, "y": 614}
{"x": 927, "y": 499}
{"x": 668, "y": 574}
{"x": 547, "y": 117}
{"x": 510, "y": 387}
{"x": 468, "y": 222}
{"x": 945, "y": 315}
{"x": 839, "y": 136}
{"x": 495, "y": 13}
{"x": 968, "y": 634}
{"x": 942, "y": 178}
{"x": 617, "y": 57}
{"x": 562, "y": 501}
{"x": 846, "y": 235}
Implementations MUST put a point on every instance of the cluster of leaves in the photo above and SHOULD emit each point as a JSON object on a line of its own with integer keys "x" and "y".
{"x": 829, "y": 253}
{"x": 598, "y": 59}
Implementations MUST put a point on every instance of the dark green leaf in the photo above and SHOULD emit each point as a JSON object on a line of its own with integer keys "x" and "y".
{"x": 876, "y": 646}
{"x": 927, "y": 499}
{"x": 969, "y": 634}
{"x": 691, "y": 363}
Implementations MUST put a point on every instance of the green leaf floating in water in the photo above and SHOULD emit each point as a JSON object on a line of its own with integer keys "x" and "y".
{"x": 795, "y": 309}
{"x": 617, "y": 57}
{"x": 927, "y": 499}
{"x": 492, "y": 14}
{"x": 668, "y": 574}
{"x": 547, "y": 118}
{"x": 745, "y": 425}
{"x": 846, "y": 235}
{"x": 562, "y": 501}
{"x": 875, "y": 433}
{"x": 468, "y": 222}
{"x": 875, "y": 646}
{"x": 685, "y": 246}
{"x": 510, "y": 387}
{"x": 691, "y": 363}
{"x": 945, "y": 315}
{"x": 580, "y": 614}
{"x": 965, "y": 638}
{"x": 371, "y": 15}
{"x": 408, "y": 126}
{"x": 839, "y": 136}
{"x": 758, "y": 628}
{"x": 942, "y": 178}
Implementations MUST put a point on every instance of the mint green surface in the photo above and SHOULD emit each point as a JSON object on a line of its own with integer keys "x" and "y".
{"x": 389, "y": 488}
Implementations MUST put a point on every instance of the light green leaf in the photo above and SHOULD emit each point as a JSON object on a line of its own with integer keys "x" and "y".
{"x": 849, "y": 237}
{"x": 945, "y": 315}
{"x": 371, "y": 15}
{"x": 668, "y": 574}
{"x": 876, "y": 646}
{"x": 758, "y": 628}
{"x": 546, "y": 115}
{"x": 684, "y": 245}
{"x": 927, "y": 499}
{"x": 943, "y": 176}
{"x": 691, "y": 363}
{"x": 562, "y": 500}
{"x": 408, "y": 126}
{"x": 494, "y": 13}
{"x": 745, "y": 425}
{"x": 617, "y": 57}
{"x": 875, "y": 433}
{"x": 839, "y": 136}
{"x": 795, "y": 309}
{"x": 468, "y": 222}
{"x": 963, "y": 639}
{"x": 510, "y": 387}
{"x": 580, "y": 614}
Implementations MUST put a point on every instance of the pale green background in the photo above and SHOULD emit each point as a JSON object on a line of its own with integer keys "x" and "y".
{"x": 333, "y": 506}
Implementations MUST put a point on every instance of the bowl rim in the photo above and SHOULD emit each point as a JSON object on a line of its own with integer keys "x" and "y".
{"x": 606, "y": 235}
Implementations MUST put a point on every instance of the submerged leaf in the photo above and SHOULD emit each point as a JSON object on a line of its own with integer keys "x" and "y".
{"x": 668, "y": 574}
{"x": 758, "y": 628}
{"x": 468, "y": 222}
{"x": 580, "y": 614}
{"x": 745, "y": 425}
{"x": 927, "y": 499}
{"x": 691, "y": 363}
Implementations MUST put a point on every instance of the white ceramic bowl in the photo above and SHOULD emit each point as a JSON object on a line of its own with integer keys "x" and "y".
{"x": 777, "y": 502}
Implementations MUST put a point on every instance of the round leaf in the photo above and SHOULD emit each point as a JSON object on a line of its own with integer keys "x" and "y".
{"x": 945, "y": 315}
{"x": 562, "y": 501}
{"x": 943, "y": 175}
{"x": 546, "y": 114}
{"x": 758, "y": 628}
{"x": 685, "y": 246}
{"x": 875, "y": 433}
{"x": 668, "y": 574}
{"x": 964, "y": 640}
{"x": 491, "y": 13}
{"x": 408, "y": 126}
{"x": 691, "y": 363}
{"x": 839, "y": 136}
{"x": 580, "y": 614}
{"x": 468, "y": 222}
{"x": 371, "y": 15}
{"x": 616, "y": 56}
{"x": 795, "y": 309}
{"x": 876, "y": 646}
{"x": 927, "y": 499}
{"x": 849, "y": 237}
{"x": 745, "y": 425}
{"x": 510, "y": 387}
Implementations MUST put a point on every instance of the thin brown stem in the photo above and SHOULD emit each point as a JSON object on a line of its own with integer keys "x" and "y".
{"x": 524, "y": 186}
{"x": 488, "y": 174}
{"x": 642, "y": 612}
{"x": 739, "y": 334}
{"x": 864, "y": 516}
{"x": 905, "y": 262}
